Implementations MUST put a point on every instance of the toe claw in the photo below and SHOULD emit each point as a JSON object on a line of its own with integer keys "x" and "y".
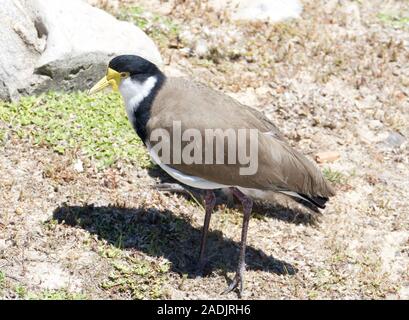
{"x": 236, "y": 283}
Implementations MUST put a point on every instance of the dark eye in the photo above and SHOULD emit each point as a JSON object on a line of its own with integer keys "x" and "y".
{"x": 124, "y": 74}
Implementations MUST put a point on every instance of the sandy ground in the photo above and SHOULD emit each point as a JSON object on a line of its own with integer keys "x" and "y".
{"x": 336, "y": 79}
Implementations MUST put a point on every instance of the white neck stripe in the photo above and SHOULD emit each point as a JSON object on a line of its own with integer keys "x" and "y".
{"x": 134, "y": 92}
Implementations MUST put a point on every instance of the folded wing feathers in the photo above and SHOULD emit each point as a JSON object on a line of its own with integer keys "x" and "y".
{"x": 313, "y": 183}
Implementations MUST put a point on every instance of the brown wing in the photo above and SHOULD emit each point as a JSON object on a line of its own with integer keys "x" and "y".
{"x": 273, "y": 130}
{"x": 279, "y": 167}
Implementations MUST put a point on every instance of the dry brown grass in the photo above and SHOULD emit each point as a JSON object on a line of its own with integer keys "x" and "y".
{"x": 332, "y": 80}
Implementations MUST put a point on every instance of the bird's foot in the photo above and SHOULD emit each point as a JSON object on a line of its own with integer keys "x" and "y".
{"x": 237, "y": 283}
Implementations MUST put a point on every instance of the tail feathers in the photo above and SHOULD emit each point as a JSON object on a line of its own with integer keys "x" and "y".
{"x": 317, "y": 200}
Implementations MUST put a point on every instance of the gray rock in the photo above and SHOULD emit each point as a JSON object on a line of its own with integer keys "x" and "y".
{"x": 3, "y": 245}
{"x": 394, "y": 139}
{"x": 61, "y": 45}
{"x": 74, "y": 73}
{"x": 21, "y": 47}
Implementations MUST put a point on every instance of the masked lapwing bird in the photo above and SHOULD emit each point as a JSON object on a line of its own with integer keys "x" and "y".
{"x": 207, "y": 140}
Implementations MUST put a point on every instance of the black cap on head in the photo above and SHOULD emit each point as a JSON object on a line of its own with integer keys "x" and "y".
{"x": 133, "y": 64}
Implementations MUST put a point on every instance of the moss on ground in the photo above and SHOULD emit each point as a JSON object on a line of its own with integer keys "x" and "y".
{"x": 94, "y": 125}
{"x": 163, "y": 30}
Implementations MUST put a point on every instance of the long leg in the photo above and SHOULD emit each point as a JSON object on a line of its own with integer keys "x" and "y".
{"x": 210, "y": 201}
{"x": 247, "y": 204}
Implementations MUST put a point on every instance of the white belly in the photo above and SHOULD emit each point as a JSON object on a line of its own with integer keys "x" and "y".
{"x": 192, "y": 181}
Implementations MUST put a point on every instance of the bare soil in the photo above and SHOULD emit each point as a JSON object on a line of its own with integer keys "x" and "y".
{"x": 335, "y": 80}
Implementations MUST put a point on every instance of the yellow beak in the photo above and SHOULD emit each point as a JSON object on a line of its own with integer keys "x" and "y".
{"x": 112, "y": 79}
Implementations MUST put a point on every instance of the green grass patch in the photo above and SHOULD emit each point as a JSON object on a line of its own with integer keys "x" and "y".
{"x": 334, "y": 176}
{"x": 2, "y": 280}
{"x": 395, "y": 20}
{"x": 2, "y": 136}
{"x": 162, "y": 30}
{"x": 96, "y": 125}
{"x": 139, "y": 278}
{"x": 61, "y": 294}
{"x": 21, "y": 291}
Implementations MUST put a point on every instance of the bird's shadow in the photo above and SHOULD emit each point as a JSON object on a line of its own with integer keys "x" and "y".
{"x": 161, "y": 233}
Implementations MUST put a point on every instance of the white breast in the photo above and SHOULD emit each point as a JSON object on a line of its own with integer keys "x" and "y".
{"x": 133, "y": 93}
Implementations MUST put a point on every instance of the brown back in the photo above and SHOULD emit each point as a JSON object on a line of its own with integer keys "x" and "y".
{"x": 280, "y": 167}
